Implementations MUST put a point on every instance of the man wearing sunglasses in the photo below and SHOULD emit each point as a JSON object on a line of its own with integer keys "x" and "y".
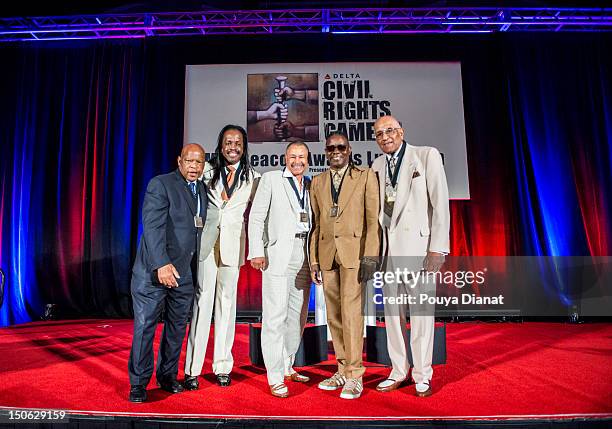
{"x": 343, "y": 252}
{"x": 415, "y": 222}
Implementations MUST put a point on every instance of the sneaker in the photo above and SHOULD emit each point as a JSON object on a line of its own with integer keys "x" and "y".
{"x": 332, "y": 383}
{"x": 352, "y": 389}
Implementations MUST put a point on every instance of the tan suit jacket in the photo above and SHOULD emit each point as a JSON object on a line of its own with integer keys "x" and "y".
{"x": 354, "y": 233}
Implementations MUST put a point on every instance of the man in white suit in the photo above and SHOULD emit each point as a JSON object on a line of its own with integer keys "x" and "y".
{"x": 279, "y": 224}
{"x": 415, "y": 219}
{"x": 231, "y": 185}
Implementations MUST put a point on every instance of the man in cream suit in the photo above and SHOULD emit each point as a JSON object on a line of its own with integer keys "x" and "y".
{"x": 279, "y": 223}
{"x": 231, "y": 185}
{"x": 343, "y": 254}
{"x": 415, "y": 219}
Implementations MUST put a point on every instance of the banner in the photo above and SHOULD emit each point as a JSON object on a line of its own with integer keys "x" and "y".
{"x": 279, "y": 103}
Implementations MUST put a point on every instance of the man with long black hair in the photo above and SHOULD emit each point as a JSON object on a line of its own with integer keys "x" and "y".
{"x": 231, "y": 186}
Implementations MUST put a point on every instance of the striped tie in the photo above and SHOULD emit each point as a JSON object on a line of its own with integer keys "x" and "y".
{"x": 230, "y": 181}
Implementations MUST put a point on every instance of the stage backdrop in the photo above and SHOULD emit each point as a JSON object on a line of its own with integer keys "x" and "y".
{"x": 319, "y": 99}
{"x": 84, "y": 125}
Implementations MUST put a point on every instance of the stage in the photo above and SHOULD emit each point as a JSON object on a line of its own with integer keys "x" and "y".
{"x": 497, "y": 373}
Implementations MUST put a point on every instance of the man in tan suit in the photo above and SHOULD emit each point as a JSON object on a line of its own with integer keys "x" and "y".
{"x": 344, "y": 247}
{"x": 415, "y": 223}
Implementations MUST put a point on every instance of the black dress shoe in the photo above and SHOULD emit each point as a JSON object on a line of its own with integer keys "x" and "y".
{"x": 191, "y": 382}
{"x": 170, "y": 385}
{"x": 138, "y": 393}
{"x": 223, "y": 380}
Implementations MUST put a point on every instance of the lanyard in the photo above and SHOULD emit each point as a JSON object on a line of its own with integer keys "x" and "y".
{"x": 230, "y": 190}
{"x": 302, "y": 198}
{"x": 335, "y": 194}
{"x": 400, "y": 156}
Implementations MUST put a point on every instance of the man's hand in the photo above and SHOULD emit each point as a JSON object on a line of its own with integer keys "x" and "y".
{"x": 284, "y": 130}
{"x": 167, "y": 275}
{"x": 433, "y": 262}
{"x": 283, "y": 94}
{"x": 260, "y": 263}
{"x": 315, "y": 274}
{"x": 367, "y": 268}
{"x": 270, "y": 112}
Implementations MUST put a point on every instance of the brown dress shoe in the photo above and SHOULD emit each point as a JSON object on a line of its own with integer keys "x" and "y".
{"x": 279, "y": 390}
{"x": 423, "y": 393}
{"x": 297, "y": 377}
{"x": 389, "y": 385}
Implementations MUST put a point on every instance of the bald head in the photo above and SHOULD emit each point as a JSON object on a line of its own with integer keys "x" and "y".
{"x": 389, "y": 134}
{"x": 191, "y": 147}
{"x": 191, "y": 161}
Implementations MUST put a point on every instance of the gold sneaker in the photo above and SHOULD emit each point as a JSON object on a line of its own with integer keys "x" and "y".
{"x": 332, "y": 383}
{"x": 352, "y": 389}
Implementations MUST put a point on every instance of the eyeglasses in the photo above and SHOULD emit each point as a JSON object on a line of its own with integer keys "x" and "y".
{"x": 332, "y": 148}
{"x": 388, "y": 132}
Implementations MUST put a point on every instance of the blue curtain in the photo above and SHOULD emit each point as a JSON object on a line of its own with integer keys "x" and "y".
{"x": 85, "y": 125}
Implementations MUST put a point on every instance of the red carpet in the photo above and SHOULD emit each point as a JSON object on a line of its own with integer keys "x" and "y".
{"x": 527, "y": 370}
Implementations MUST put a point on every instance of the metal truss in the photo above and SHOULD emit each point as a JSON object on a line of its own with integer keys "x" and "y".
{"x": 368, "y": 20}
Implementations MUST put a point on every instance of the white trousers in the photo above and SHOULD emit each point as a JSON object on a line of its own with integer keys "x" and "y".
{"x": 284, "y": 310}
{"x": 422, "y": 322}
{"x": 217, "y": 284}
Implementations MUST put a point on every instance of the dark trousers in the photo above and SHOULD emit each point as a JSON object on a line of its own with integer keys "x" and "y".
{"x": 148, "y": 300}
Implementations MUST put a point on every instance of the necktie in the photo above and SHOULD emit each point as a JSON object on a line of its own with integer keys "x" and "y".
{"x": 230, "y": 181}
{"x": 392, "y": 162}
{"x": 337, "y": 179}
{"x": 389, "y": 190}
{"x": 194, "y": 192}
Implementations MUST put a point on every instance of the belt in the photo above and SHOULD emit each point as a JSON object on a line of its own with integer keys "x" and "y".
{"x": 301, "y": 235}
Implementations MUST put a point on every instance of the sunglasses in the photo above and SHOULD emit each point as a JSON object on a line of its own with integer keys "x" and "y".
{"x": 339, "y": 147}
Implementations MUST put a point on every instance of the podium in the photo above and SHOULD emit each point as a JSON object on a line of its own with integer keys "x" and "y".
{"x": 376, "y": 345}
{"x": 313, "y": 347}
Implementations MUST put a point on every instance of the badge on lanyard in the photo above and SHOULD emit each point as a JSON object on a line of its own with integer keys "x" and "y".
{"x": 199, "y": 223}
{"x": 335, "y": 194}
{"x": 304, "y": 217}
{"x": 390, "y": 195}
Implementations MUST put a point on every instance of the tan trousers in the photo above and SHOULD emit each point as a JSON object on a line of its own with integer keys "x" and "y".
{"x": 344, "y": 305}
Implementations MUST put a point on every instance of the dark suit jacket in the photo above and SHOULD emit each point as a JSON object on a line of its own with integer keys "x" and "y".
{"x": 169, "y": 234}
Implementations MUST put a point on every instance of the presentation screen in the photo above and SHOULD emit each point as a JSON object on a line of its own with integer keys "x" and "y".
{"x": 279, "y": 103}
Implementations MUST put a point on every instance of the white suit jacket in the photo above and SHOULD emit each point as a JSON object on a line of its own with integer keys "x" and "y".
{"x": 273, "y": 221}
{"x": 227, "y": 223}
{"x": 421, "y": 216}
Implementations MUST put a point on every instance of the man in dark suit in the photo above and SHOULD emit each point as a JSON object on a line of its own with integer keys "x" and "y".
{"x": 173, "y": 213}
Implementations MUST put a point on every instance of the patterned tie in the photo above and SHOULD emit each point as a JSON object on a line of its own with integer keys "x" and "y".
{"x": 392, "y": 162}
{"x": 337, "y": 179}
{"x": 230, "y": 181}
{"x": 194, "y": 192}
